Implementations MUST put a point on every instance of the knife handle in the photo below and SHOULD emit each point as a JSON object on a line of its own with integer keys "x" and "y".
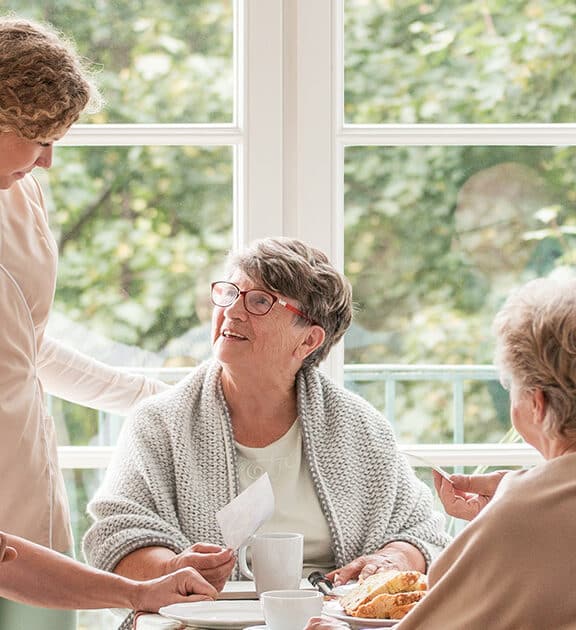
{"x": 320, "y": 582}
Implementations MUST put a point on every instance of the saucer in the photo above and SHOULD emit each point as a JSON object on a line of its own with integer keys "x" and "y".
{"x": 220, "y": 614}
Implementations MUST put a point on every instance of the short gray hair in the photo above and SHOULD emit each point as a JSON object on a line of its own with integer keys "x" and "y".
{"x": 536, "y": 347}
{"x": 292, "y": 268}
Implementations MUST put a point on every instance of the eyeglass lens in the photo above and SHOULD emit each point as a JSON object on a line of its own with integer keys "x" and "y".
{"x": 255, "y": 301}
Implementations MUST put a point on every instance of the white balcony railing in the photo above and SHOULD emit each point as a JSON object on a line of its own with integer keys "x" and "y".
{"x": 450, "y": 455}
{"x": 85, "y": 457}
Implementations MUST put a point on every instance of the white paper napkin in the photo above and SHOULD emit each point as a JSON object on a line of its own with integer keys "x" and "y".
{"x": 242, "y": 517}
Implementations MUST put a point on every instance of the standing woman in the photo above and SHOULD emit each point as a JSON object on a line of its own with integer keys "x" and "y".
{"x": 43, "y": 89}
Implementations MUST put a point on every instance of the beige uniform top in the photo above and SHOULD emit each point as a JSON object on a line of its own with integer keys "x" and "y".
{"x": 33, "y": 501}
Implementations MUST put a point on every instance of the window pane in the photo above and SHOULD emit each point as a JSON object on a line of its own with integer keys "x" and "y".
{"x": 423, "y": 410}
{"x": 141, "y": 233}
{"x": 81, "y": 486}
{"x": 435, "y": 238}
{"x": 460, "y": 61}
{"x": 161, "y": 61}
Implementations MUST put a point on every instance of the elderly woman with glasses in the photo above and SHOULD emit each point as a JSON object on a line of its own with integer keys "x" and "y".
{"x": 262, "y": 405}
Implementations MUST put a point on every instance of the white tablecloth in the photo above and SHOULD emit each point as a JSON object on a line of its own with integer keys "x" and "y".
{"x": 156, "y": 622}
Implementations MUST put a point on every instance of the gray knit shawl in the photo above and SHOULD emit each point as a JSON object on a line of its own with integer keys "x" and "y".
{"x": 175, "y": 467}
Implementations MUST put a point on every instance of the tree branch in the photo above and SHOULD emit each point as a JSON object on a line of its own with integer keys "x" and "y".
{"x": 75, "y": 230}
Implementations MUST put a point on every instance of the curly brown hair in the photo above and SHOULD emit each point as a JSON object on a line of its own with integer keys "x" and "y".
{"x": 45, "y": 83}
{"x": 297, "y": 270}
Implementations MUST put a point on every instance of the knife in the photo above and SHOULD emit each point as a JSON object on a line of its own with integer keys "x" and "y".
{"x": 321, "y": 583}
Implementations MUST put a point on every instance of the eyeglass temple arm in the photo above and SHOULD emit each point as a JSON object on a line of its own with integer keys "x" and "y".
{"x": 294, "y": 310}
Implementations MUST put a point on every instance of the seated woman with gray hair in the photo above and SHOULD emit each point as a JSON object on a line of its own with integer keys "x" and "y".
{"x": 262, "y": 405}
{"x": 512, "y": 566}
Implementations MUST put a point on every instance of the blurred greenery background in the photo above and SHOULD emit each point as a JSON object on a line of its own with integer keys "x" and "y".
{"x": 435, "y": 236}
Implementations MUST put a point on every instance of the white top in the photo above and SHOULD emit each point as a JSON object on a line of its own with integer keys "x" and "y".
{"x": 297, "y": 508}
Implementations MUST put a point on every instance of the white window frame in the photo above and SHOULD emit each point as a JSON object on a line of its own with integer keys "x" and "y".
{"x": 289, "y": 139}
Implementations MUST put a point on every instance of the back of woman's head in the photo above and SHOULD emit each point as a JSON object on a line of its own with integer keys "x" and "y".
{"x": 45, "y": 85}
{"x": 294, "y": 269}
{"x": 536, "y": 346}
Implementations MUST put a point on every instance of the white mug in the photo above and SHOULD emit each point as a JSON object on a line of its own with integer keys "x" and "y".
{"x": 276, "y": 560}
{"x": 290, "y": 610}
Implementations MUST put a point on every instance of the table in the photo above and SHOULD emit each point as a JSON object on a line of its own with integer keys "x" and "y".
{"x": 232, "y": 590}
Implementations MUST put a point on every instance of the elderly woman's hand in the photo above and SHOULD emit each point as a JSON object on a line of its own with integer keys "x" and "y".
{"x": 464, "y": 496}
{"x": 321, "y": 623}
{"x": 7, "y": 553}
{"x": 398, "y": 555}
{"x": 214, "y": 563}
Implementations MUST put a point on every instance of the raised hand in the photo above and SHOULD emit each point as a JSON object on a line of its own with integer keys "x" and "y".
{"x": 464, "y": 496}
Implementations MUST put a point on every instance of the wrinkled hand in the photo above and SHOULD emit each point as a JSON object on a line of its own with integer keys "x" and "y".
{"x": 7, "y": 553}
{"x": 467, "y": 495}
{"x": 185, "y": 585}
{"x": 214, "y": 563}
{"x": 364, "y": 566}
{"x": 319, "y": 623}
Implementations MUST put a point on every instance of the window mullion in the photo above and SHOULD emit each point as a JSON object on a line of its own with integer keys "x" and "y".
{"x": 312, "y": 188}
{"x": 259, "y": 161}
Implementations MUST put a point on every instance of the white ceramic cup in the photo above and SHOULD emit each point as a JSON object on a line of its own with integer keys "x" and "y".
{"x": 290, "y": 610}
{"x": 276, "y": 560}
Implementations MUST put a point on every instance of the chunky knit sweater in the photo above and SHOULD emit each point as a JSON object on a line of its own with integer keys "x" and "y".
{"x": 175, "y": 467}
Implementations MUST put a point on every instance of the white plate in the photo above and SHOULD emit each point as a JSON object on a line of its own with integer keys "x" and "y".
{"x": 333, "y": 609}
{"x": 339, "y": 591}
{"x": 218, "y": 614}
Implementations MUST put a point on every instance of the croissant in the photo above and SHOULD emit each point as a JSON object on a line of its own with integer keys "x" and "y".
{"x": 386, "y": 595}
{"x": 388, "y": 606}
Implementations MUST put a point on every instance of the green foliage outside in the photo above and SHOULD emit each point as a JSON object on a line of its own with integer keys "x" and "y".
{"x": 435, "y": 237}
{"x": 451, "y": 61}
{"x": 140, "y": 229}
